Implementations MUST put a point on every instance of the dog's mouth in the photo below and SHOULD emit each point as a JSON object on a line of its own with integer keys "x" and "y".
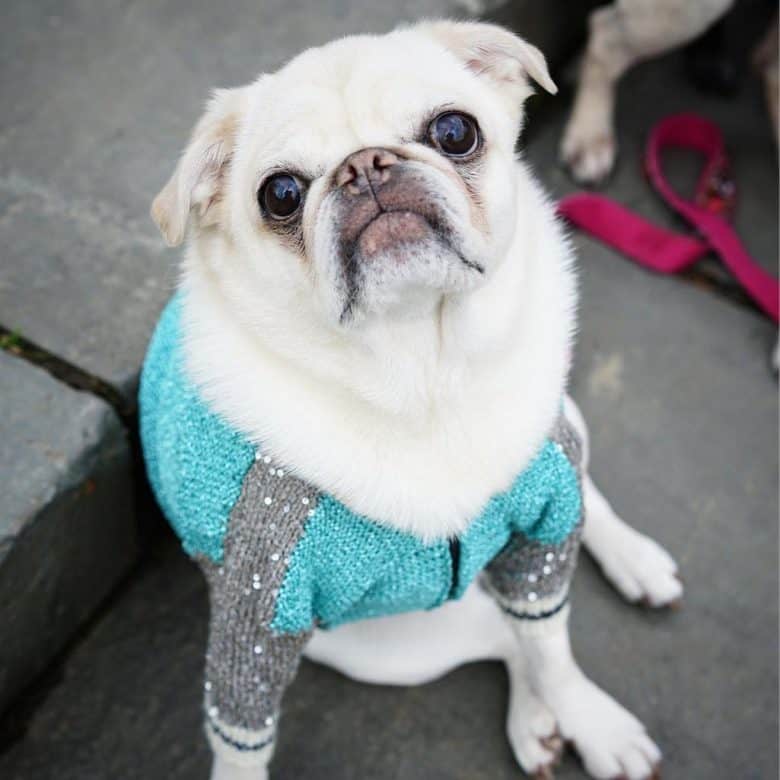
{"x": 395, "y": 241}
{"x": 391, "y": 239}
{"x": 389, "y": 230}
{"x": 391, "y": 233}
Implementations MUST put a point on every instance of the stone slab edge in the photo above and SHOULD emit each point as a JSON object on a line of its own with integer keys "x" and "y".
{"x": 67, "y": 529}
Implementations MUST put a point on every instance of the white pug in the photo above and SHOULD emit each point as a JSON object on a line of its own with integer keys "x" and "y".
{"x": 370, "y": 343}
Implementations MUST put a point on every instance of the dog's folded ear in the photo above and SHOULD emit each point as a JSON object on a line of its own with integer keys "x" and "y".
{"x": 196, "y": 184}
{"x": 494, "y": 52}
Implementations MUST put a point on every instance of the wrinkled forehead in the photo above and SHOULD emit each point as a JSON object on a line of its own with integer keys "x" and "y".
{"x": 353, "y": 93}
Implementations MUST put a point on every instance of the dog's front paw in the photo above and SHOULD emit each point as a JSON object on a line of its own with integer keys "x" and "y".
{"x": 533, "y": 735}
{"x": 639, "y": 568}
{"x": 610, "y": 740}
{"x": 588, "y": 150}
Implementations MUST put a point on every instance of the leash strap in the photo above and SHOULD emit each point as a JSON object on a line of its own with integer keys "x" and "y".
{"x": 708, "y": 213}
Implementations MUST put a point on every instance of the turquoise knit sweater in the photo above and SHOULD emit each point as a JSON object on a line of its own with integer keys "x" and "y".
{"x": 283, "y": 556}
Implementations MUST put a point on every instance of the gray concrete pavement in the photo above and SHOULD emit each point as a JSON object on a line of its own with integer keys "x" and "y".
{"x": 672, "y": 376}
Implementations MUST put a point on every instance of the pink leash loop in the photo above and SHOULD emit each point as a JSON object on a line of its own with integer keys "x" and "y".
{"x": 663, "y": 250}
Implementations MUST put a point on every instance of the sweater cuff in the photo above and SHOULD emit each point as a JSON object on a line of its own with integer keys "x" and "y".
{"x": 542, "y": 625}
{"x": 240, "y": 746}
{"x": 538, "y": 616}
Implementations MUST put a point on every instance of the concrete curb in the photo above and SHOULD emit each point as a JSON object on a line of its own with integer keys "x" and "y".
{"x": 67, "y": 531}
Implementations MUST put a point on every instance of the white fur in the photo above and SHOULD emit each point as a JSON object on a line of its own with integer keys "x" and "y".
{"x": 414, "y": 418}
{"x": 480, "y": 387}
{"x": 224, "y": 769}
{"x": 432, "y": 400}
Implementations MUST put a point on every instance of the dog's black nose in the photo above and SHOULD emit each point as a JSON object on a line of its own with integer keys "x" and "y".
{"x": 365, "y": 169}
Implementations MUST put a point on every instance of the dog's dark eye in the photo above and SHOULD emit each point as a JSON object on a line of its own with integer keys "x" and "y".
{"x": 280, "y": 196}
{"x": 455, "y": 134}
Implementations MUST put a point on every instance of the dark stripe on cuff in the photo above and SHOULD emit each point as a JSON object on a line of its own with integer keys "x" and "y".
{"x": 535, "y": 615}
{"x": 243, "y": 746}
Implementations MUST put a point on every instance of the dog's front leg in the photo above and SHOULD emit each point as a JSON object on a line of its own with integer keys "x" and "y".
{"x": 621, "y": 34}
{"x": 637, "y": 565}
{"x": 225, "y": 769}
{"x": 530, "y": 581}
{"x": 248, "y": 666}
{"x": 589, "y": 147}
{"x": 611, "y": 741}
{"x": 249, "y": 663}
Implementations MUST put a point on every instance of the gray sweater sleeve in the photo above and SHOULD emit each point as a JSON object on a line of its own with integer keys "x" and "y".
{"x": 248, "y": 665}
{"x": 530, "y": 580}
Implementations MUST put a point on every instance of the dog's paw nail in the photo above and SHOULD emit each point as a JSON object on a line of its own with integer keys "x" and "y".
{"x": 544, "y": 773}
{"x": 554, "y": 743}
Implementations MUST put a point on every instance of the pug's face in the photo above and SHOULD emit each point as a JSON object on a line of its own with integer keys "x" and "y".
{"x": 365, "y": 182}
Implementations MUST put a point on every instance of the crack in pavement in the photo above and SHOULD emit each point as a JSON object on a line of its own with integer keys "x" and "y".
{"x": 70, "y": 375}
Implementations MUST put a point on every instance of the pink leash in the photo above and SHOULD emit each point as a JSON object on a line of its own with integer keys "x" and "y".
{"x": 663, "y": 250}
